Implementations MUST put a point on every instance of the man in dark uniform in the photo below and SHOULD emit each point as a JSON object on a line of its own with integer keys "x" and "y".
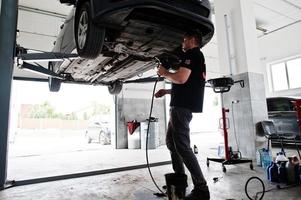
{"x": 187, "y": 94}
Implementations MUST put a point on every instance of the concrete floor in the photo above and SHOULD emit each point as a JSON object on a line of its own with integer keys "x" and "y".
{"x": 137, "y": 185}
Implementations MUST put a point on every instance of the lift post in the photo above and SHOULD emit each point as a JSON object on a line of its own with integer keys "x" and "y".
{"x": 8, "y": 22}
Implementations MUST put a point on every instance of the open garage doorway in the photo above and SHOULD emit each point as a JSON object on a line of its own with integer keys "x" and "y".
{"x": 58, "y": 133}
{"x": 54, "y": 134}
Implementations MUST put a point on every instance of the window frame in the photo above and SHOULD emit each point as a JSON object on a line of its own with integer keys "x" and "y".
{"x": 285, "y": 61}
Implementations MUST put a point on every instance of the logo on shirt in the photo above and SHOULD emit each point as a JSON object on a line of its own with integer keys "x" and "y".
{"x": 187, "y": 62}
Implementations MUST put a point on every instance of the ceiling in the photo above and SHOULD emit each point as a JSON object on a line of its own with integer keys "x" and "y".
{"x": 272, "y": 15}
{"x": 40, "y": 32}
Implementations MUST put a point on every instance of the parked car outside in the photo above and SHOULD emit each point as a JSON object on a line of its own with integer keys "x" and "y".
{"x": 99, "y": 132}
{"x": 282, "y": 112}
{"x": 117, "y": 40}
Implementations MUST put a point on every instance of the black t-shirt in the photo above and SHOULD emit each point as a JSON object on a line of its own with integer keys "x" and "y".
{"x": 190, "y": 95}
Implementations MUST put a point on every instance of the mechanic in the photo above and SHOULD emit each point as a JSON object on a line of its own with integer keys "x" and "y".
{"x": 187, "y": 94}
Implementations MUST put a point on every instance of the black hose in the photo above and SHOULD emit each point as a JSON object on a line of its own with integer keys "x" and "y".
{"x": 262, "y": 184}
{"x": 161, "y": 194}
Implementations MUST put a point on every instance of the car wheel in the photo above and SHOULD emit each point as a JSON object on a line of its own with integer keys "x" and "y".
{"x": 89, "y": 140}
{"x": 88, "y": 37}
{"x": 53, "y": 83}
{"x": 115, "y": 87}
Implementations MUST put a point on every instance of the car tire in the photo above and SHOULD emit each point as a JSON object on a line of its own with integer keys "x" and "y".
{"x": 53, "y": 83}
{"x": 89, "y": 38}
{"x": 115, "y": 87}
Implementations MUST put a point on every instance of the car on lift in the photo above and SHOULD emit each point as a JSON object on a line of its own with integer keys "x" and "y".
{"x": 119, "y": 39}
{"x": 282, "y": 111}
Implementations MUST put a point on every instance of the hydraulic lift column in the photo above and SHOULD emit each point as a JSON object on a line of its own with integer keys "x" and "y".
{"x": 8, "y": 21}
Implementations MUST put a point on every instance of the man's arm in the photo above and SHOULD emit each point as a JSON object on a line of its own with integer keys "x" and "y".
{"x": 162, "y": 93}
{"x": 179, "y": 77}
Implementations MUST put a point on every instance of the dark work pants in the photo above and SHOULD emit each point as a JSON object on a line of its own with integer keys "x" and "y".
{"x": 178, "y": 142}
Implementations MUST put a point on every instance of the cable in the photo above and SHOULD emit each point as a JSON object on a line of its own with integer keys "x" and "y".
{"x": 237, "y": 146}
{"x": 161, "y": 194}
{"x": 263, "y": 188}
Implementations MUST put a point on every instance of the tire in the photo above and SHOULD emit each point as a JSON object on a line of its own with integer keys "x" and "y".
{"x": 89, "y": 38}
{"x": 53, "y": 83}
{"x": 115, "y": 87}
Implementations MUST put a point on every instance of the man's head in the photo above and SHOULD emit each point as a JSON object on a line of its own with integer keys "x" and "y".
{"x": 192, "y": 39}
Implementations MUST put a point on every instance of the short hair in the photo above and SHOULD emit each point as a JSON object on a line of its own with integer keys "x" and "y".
{"x": 196, "y": 34}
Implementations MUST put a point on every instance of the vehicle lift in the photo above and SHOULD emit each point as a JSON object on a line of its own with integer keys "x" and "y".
{"x": 29, "y": 61}
{"x": 222, "y": 85}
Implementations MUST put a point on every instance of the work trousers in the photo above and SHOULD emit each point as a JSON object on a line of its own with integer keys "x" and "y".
{"x": 178, "y": 142}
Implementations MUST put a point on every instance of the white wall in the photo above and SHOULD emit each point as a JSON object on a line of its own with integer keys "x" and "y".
{"x": 241, "y": 40}
{"x": 276, "y": 46}
{"x": 210, "y": 52}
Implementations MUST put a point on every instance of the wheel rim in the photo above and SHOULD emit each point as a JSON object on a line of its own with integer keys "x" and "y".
{"x": 82, "y": 29}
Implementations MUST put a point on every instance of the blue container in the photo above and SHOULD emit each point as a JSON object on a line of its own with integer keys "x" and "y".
{"x": 268, "y": 170}
{"x": 274, "y": 176}
{"x": 266, "y": 158}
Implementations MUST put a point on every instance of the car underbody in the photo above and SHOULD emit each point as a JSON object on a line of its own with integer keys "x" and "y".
{"x": 131, "y": 41}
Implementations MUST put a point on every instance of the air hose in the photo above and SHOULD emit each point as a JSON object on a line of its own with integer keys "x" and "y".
{"x": 161, "y": 193}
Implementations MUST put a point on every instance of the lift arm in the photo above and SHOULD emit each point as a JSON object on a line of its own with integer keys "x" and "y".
{"x": 24, "y": 62}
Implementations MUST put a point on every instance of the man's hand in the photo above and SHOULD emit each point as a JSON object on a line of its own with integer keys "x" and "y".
{"x": 178, "y": 77}
{"x": 161, "y": 93}
{"x": 161, "y": 71}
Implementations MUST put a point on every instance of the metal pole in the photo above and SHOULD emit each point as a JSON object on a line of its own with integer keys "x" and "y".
{"x": 228, "y": 44}
{"x": 8, "y": 21}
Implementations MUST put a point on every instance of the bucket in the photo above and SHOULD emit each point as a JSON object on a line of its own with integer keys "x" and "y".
{"x": 176, "y": 186}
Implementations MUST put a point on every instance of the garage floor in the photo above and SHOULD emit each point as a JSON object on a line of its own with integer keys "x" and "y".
{"x": 137, "y": 185}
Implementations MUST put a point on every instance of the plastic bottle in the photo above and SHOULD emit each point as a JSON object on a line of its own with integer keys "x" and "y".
{"x": 297, "y": 174}
{"x": 295, "y": 160}
{"x": 282, "y": 172}
{"x": 259, "y": 157}
{"x": 273, "y": 171}
{"x": 291, "y": 171}
{"x": 266, "y": 158}
{"x": 281, "y": 158}
{"x": 268, "y": 170}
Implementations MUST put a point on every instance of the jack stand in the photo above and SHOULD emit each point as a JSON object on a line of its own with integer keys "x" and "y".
{"x": 222, "y": 85}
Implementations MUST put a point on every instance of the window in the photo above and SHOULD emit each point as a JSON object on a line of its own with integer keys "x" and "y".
{"x": 294, "y": 69}
{"x": 285, "y": 75}
{"x": 279, "y": 77}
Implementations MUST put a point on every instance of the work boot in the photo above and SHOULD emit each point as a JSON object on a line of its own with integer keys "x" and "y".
{"x": 198, "y": 194}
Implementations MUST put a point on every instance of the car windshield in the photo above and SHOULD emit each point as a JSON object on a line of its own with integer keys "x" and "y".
{"x": 281, "y": 104}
